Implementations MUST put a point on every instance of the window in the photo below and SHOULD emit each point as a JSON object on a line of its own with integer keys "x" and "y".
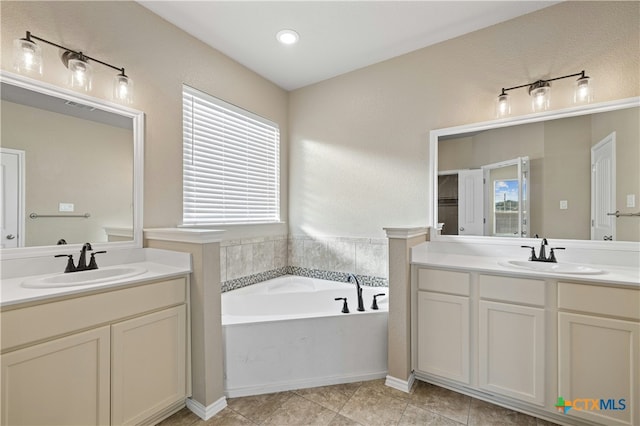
{"x": 506, "y": 207}
{"x": 231, "y": 163}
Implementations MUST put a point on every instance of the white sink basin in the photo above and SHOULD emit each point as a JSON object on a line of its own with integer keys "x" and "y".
{"x": 555, "y": 268}
{"x": 94, "y": 276}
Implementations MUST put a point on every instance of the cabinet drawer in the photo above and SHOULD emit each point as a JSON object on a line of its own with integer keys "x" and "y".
{"x": 22, "y": 326}
{"x": 516, "y": 290}
{"x": 620, "y": 302}
{"x": 443, "y": 281}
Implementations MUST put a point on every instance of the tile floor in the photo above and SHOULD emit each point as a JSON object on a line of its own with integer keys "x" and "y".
{"x": 363, "y": 403}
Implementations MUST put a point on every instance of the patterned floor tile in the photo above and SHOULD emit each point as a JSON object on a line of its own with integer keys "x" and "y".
{"x": 297, "y": 411}
{"x": 441, "y": 401}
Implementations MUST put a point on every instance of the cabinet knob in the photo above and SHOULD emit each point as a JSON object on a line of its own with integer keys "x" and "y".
{"x": 462, "y": 228}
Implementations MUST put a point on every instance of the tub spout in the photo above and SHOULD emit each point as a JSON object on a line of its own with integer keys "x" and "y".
{"x": 353, "y": 278}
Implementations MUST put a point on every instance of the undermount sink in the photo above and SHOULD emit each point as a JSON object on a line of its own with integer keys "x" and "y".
{"x": 94, "y": 276}
{"x": 555, "y": 268}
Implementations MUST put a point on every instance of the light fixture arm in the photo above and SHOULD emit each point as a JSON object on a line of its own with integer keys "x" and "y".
{"x": 541, "y": 81}
{"x": 80, "y": 55}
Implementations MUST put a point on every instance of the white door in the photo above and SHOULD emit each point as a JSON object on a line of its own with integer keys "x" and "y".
{"x": 603, "y": 189}
{"x": 11, "y": 196}
{"x": 470, "y": 202}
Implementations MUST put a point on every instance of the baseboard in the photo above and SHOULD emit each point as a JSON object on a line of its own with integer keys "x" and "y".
{"x": 401, "y": 385}
{"x": 205, "y": 413}
{"x": 301, "y": 384}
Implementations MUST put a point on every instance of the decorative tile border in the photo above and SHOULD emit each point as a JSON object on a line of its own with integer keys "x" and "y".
{"x": 337, "y": 276}
{"x": 252, "y": 279}
{"x": 365, "y": 280}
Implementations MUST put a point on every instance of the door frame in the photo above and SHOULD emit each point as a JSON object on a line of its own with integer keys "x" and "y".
{"x": 523, "y": 168}
{"x": 21, "y": 191}
{"x": 609, "y": 139}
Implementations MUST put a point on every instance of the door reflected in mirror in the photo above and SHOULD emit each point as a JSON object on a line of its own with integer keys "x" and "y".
{"x": 549, "y": 178}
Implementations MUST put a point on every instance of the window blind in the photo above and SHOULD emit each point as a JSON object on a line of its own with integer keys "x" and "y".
{"x": 231, "y": 163}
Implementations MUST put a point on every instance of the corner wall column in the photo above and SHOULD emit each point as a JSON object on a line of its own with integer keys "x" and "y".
{"x": 399, "y": 375}
{"x": 207, "y": 370}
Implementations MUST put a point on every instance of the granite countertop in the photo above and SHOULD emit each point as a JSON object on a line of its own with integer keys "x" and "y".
{"x": 610, "y": 275}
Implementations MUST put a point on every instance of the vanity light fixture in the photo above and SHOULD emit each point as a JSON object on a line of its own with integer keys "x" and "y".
{"x": 540, "y": 94}
{"x": 27, "y": 58}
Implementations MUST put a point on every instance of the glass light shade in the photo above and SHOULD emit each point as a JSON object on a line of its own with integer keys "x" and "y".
{"x": 27, "y": 56}
{"x": 80, "y": 74}
{"x": 540, "y": 97}
{"x": 503, "y": 106}
{"x": 583, "y": 91}
{"x": 123, "y": 89}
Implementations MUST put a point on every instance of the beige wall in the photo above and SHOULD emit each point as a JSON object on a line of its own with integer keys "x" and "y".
{"x": 359, "y": 142}
{"x": 159, "y": 58}
{"x": 71, "y": 160}
{"x": 567, "y": 176}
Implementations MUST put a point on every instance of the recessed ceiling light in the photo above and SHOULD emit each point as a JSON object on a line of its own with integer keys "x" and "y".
{"x": 287, "y": 36}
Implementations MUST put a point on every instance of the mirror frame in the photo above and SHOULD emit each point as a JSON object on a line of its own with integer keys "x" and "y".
{"x": 137, "y": 118}
{"x": 508, "y": 122}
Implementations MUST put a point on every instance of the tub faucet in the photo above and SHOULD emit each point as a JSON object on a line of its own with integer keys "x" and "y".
{"x": 350, "y": 279}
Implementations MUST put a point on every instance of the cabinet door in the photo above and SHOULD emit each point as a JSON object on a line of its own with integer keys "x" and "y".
{"x": 511, "y": 350}
{"x": 60, "y": 382}
{"x": 148, "y": 365}
{"x": 443, "y": 335}
{"x": 599, "y": 360}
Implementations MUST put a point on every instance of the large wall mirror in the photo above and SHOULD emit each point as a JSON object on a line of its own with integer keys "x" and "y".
{"x": 71, "y": 170}
{"x": 572, "y": 174}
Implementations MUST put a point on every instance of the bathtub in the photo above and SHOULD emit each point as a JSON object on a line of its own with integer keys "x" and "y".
{"x": 289, "y": 333}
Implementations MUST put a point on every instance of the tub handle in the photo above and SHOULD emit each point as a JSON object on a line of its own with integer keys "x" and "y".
{"x": 374, "y": 305}
{"x": 345, "y": 307}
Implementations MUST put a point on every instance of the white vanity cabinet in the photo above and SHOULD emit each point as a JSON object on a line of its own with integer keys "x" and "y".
{"x": 110, "y": 357}
{"x": 443, "y": 323}
{"x": 599, "y": 352}
{"x": 511, "y": 337}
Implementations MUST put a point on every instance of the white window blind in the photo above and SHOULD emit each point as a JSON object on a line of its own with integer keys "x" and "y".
{"x": 231, "y": 163}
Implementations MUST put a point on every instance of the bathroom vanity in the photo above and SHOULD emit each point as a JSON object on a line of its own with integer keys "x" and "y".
{"x": 523, "y": 339}
{"x": 114, "y": 352}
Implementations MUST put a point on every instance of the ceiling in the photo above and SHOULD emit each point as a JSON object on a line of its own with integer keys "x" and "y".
{"x": 335, "y": 36}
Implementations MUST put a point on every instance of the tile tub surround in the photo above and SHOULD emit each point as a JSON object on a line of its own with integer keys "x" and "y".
{"x": 253, "y": 256}
{"x": 250, "y": 261}
{"x": 363, "y": 403}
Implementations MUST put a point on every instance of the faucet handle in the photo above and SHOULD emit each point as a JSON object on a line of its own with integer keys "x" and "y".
{"x": 533, "y": 256}
{"x": 345, "y": 307}
{"x": 70, "y": 266}
{"x": 92, "y": 261}
{"x": 552, "y": 255}
{"x": 374, "y": 305}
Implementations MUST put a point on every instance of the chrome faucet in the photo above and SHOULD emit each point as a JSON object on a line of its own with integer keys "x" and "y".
{"x": 542, "y": 257}
{"x": 352, "y": 278}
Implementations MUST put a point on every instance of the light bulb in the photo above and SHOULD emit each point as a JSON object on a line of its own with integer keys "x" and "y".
{"x": 539, "y": 92}
{"x": 503, "y": 106}
{"x": 80, "y": 74}
{"x": 583, "y": 92}
{"x": 123, "y": 88}
{"x": 27, "y": 56}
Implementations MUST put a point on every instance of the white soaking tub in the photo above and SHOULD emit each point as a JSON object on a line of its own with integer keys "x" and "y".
{"x": 289, "y": 333}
